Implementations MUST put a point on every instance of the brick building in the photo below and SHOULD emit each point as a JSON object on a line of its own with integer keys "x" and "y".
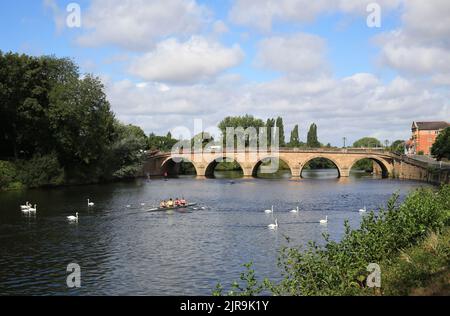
{"x": 424, "y": 135}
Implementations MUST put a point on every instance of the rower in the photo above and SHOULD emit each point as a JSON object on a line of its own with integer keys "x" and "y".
{"x": 183, "y": 201}
{"x": 162, "y": 204}
{"x": 170, "y": 203}
{"x": 177, "y": 202}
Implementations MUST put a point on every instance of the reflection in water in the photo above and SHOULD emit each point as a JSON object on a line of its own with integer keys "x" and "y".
{"x": 127, "y": 250}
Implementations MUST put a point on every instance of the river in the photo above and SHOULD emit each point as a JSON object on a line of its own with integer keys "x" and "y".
{"x": 124, "y": 250}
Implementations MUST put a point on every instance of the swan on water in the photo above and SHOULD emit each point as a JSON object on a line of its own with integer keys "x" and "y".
{"x": 296, "y": 210}
{"x": 33, "y": 209}
{"x": 73, "y": 218}
{"x": 363, "y": 210}
{"x": 274, "y": 226}
{"x": 269, "y": 211}
{"x": 25, "y": 207}
{"x": 90, "y": 203}
{"x": 324, "y": 221}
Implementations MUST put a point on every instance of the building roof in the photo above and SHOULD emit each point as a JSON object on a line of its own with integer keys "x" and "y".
{"x": 430, "y": 126}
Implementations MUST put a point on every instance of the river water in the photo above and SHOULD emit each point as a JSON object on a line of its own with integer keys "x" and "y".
{"x": 124, "y": 250}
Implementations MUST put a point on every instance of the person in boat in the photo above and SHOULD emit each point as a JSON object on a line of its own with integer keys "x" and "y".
{"x": 183, "y": 202}
{"x": 163, "y": 204}
{"x": 170, "y": 203}
{"x": 177, "y": 202}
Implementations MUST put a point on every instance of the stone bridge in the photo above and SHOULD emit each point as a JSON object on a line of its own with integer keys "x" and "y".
{"x": 205, "y": 162}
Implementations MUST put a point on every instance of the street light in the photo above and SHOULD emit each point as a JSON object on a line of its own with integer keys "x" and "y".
{"x": 345, "y": 140}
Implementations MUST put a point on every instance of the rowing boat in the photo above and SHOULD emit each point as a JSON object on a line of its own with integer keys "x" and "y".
{"x": 162, "y": 209}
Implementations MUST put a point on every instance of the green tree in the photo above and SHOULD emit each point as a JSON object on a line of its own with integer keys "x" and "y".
{"x": 368, "y": 142}
{"x": 54, "y": 123}
{"x": 270, "y": 124}
{"x": 126, "y": 154}
{"x": 295, "y": 138}
{"x": 312, "y": 140}
{"x": 204, "y": 138}
{"x": 441, "y": 147}
{"x": 162, "y": 143}
{"x": 281, "y": 137}
{"x": 243, "y": 122}
{"x": 398, "y": 146}
{"x": 82, "y": 125}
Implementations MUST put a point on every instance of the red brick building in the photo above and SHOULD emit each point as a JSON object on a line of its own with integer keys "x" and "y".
{"x": 424, "y": 135}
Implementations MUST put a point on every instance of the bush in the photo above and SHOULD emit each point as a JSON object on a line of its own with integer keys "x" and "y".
{"x": 8, "y": 176}
{"x": 41, "y": 171}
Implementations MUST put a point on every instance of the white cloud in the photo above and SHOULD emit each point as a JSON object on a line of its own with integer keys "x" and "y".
{"x": 355, "y": 106}
{"x": 420, "y": 47}
{"x": 138, "y": 24}
{"x": 300, "y": 55}
{"x": 428, "y": 20}
{"x": 261, "y": 14}
{"x": 58, "y": 14}
{"x": 220, "y": 27}
{"x": 197, "y": 59}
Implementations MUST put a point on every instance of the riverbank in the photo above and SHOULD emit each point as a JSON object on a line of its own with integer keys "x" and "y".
{"x": 423, "y": 269}
{"x": 45, "y": 172}
{"x": 409, "y": 241}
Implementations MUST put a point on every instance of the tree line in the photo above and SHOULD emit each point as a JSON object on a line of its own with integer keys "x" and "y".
{"x": 57, "y": 127}
{"x": 249, "y": 121}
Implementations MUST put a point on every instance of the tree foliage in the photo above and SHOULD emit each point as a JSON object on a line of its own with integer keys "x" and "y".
{"x": 56, "y": 124}
{"x": 241, "y": 123}
{"x": 398, "y": 146}
{"x": 367, "y": 142}
{"x": 312, "y": 139}
{"x": 162, "y": 143}
{"x": 441, "y": 147}
{"x": 280, "y": 131}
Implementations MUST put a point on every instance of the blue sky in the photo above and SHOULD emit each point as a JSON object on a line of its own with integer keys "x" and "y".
{"x": 166, "y": 63}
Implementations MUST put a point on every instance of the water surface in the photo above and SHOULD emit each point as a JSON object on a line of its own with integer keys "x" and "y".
{"x": 128, "y": 251}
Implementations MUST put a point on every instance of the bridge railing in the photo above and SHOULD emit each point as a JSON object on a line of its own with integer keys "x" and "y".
{"x": 284, "y": 150}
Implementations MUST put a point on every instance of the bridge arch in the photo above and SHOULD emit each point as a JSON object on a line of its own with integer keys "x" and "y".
{"x": 333, "y": 161}
{"x": 211, "y": 165}
{"x": 265, "y": 159}
{"x": 173, "y": 163}
{"x": 385, "y": 167}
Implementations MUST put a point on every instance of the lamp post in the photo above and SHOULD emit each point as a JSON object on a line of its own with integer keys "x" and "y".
{"x": 345, "y": 140}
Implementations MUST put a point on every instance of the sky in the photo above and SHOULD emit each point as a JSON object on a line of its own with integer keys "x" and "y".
{"x": 166, "y": 64}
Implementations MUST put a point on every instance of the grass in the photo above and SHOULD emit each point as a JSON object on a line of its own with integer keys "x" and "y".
{"x": 423, "y": 269}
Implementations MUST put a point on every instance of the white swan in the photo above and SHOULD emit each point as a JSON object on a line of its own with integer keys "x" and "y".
{"x": 269, "y": 211}
{"x": 73, "y": 218}
{"x": 274, "y": 226}
{"x": 363, "y": 210}
{"x": 142, "y": 204}
{"x": 90, "y": 203}
{"x": 33, "y": 209}
{"x": 25, "y": 207}
{"x": 324, "y": 221}
{"x": 296, "y": 210}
